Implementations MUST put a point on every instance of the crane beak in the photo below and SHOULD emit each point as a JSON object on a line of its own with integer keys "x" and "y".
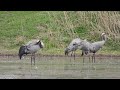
{"x": 66, "y": 52}
{"x": 42, "y": 45}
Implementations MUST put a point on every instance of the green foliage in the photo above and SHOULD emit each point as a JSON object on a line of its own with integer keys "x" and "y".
{"x": 113, "y": 45}
{"x": 55, "y": 28}
{"x": 81, "y": 31}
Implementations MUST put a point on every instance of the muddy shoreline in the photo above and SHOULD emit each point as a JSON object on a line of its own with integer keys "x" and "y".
{"x": 97, "y": 55}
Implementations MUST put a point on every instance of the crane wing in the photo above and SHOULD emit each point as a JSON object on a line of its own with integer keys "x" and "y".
{"x": 32, "y": 42}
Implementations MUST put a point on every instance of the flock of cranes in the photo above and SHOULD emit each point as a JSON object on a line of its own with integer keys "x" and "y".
{"x": 86, "y": 46}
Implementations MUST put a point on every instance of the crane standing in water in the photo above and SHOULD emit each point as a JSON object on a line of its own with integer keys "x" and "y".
{"x": 72, "y": 47}
{"x": 30, "y": 48}
{"x": 88, "y": 47}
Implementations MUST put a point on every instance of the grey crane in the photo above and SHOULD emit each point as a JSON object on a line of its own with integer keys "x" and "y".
{"x": 88, "y": 47}
{"x": 72, "y": 47}
{"x": 30, "y": 48}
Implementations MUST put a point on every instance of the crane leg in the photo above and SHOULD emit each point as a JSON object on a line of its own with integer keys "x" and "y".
{"x": 74, "y": 55}
{"x": 34, "y": 59}
{"x": 94, "y": 57}
{"x": 83, "y": 58}
{"x": 31, "y": 59}
{"x": 89, "y": 58}
{"x": 71, "y": 53}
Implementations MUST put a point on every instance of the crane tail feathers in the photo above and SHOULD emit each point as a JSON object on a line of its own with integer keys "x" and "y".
{"x": 21, "y": 51}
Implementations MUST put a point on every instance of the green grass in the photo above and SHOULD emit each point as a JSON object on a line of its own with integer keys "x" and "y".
{"x": 57, "y": 29}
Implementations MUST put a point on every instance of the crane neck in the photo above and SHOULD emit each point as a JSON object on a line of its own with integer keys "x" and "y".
{"x": 103, "y": 38}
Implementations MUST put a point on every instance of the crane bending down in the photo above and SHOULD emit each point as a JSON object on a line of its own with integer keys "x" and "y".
{"x": 72, "y": 47}
{"x": 88, "y": 47}
{"x": 30, "y": 48}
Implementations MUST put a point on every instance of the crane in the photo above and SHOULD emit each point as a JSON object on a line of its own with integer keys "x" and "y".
{"x": 88, "y": 47}
{"x": 72, "y": 47}
{"x": 30, "y": 48}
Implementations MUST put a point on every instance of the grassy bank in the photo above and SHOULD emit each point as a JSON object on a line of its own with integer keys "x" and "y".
{"x": 58, "y": 28}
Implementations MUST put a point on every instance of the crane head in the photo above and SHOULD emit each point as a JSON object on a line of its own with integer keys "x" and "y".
{"x": 40, "y": 43}
{"x": 103, "y": 36}
{"x": 67, "y": 51}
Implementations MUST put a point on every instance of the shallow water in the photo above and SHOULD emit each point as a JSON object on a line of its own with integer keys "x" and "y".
{"x": 59, "y": 68}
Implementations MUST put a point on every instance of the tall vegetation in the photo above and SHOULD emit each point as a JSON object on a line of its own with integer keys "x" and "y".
{"x": 58, "y": 28}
